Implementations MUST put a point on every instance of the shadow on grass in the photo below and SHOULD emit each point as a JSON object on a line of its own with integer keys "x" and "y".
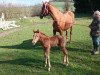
{"x": 80, "y": 46}
{"x": 39, "y": 64}
{"x": 77, "y": 49}
{"x": 31, "y": 62}
{"x": 27, "y": 45}
{"x": 24, "y": 61}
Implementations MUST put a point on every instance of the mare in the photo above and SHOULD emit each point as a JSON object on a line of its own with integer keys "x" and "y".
{"x": 47, "y": 43}
{"x": 61, "y": 21}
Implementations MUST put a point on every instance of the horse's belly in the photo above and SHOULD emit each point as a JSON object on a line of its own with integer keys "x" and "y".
{"x": 62, "y": 25}
{"x": 53, "y": 41}
{"x": 66, "y": 26}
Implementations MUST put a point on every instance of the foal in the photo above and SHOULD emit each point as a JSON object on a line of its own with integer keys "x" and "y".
{"x": 47, "y": 43}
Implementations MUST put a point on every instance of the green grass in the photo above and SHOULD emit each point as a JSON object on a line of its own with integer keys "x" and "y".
{"x": 19, "y": 57}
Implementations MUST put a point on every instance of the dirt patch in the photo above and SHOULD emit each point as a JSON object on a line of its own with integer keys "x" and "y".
{"x": 3, "y": 34}
{"x": 10, "y": 31}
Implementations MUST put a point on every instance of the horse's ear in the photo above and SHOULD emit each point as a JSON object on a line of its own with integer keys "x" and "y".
{"x": 33, "y": 31}
{"x": 48, "y": 2}
{"x": 42, "y": 2}
{"x": 38, "y": 30}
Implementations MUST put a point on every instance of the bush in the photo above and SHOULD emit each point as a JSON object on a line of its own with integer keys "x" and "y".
{"x": 69, "y": 5}
{"x": 20, "y": 11}
{"x": 15, "y": 12}
{"x": 35, "y": 11}
{"x": 86, "y": 6}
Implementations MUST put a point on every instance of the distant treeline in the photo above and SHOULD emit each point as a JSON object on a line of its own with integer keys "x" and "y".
{"x": 15, "y": 12}
{"x": 85, "y": 6}
{"x": 20, "y": 11}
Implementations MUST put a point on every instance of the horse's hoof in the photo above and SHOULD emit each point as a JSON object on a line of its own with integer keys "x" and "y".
{"x": 66, "y": 64}
{"x": 68, "y": 41}
{"x": 45, "y": 65}
{"x": 48, "y": 69}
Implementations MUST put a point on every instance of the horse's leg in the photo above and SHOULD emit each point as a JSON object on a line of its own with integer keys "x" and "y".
{"x": 65, "y": 60}
{"x": 60, "y": 32}
{"x": 54, "y": 28}
{"x": 49, "y": 64}
{"x": 47, "y": 60}
{"x": 45, "y": 56}
{"x": 70, "y": 34}
{"x": 66, "y": 36}
{"x": 54, "y": 32}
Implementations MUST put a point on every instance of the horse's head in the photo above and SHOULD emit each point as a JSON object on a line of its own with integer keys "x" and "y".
{"x": 45, "y": 10}
{"x": 36, "y": 37}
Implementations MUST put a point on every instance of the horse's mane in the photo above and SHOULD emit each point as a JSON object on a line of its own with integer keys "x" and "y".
{"x": 39, "y": 32}
{"x": 54, "y": 7}
{"x": 42, "y": 33}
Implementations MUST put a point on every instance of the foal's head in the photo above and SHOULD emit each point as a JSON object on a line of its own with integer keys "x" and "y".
{"x": 45, "y": 10}
{"x": 36, "y": 36}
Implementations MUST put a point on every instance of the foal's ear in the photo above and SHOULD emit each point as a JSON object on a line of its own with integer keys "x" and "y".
{"x": 33, "y": 31}
{"x": 38, "y": 30}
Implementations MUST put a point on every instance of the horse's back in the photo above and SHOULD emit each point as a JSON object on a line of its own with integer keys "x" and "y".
{"x": 70, "y": 15}
{"x": 53, "y": 41}
{"x": 61, "y": 41}
{"x": 57, "y": 40}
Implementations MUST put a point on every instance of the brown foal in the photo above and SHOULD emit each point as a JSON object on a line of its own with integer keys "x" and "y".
{"x": 47, "y": 43}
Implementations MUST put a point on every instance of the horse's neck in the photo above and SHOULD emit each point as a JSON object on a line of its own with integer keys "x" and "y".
{"x": 55, "y": 13}
{"x": 43, "y": 37}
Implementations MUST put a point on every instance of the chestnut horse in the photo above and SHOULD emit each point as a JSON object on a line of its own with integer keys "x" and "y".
{"x": 47, "y": 43}
{"x": 62, "y": 21}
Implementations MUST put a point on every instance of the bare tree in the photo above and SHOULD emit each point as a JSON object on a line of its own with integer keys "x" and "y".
{"x": 69, "y": 5}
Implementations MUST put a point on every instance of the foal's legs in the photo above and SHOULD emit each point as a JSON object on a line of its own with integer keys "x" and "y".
{"x": 47, "y": 58}
{"x": 49, "y": 65}
{"x": 65, "y": 60}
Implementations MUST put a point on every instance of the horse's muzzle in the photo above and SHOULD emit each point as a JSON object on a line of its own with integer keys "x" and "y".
{"x": 33, "y": 42}
{"x": 41, "y": 17}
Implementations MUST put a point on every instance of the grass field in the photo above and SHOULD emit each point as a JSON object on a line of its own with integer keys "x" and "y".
{"x": 19, "y": 57}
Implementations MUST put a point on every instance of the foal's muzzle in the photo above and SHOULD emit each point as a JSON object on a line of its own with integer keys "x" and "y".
{"x": 33, "y": 42}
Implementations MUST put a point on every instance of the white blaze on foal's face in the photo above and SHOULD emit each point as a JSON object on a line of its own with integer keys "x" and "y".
{"x": 35, "y": 38}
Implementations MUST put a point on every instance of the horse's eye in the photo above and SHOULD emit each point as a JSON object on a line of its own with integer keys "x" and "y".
{"x": 36, "y": 35}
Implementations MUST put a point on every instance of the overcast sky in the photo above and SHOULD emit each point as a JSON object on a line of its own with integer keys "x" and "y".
{"x": 26, "y": 2}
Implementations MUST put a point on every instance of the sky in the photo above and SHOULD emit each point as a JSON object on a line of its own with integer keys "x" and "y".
{"x": 26, "y": 2}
